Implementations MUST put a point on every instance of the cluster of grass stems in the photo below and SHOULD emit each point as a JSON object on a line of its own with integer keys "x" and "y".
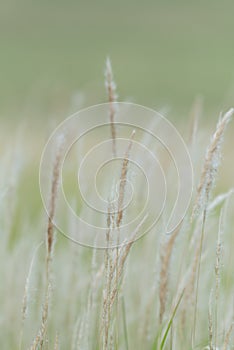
{"x": 171, "y": 292}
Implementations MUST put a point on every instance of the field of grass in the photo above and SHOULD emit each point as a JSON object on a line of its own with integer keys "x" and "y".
{"x": 159, "y": 292}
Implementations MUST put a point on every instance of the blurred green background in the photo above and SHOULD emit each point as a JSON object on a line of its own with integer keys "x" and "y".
{"x": 164, "y": 53}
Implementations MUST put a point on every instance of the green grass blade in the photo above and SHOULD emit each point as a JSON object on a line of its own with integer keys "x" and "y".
{"x": 155, "y": 343}
{"x": 170, "y": 322}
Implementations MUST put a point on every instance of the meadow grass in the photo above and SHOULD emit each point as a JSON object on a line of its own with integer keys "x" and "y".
{"x": 160, "y": 292}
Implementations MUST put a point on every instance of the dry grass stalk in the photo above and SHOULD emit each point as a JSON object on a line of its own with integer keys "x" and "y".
{"x": 56, "y": 343}
{"x": 53, "y": 196}
{"x": 165, "y": 256}
{"x": 40, "y": 338}
{"x": 123, "y": 179}
{"x": 208, "y": 176}
{"x": 219, "y": 248}
{"x": 50, "y": 239}
{"x": 211, "y": 164}
{"x": 123, "y": 256}
{"x": 120, "y": 211}
{"x": 189, "y": 294}
{"x": 227, "y": 337}
{"x": 112, "y": 98}
{"x": 25, "y": 301}
{"x": 111, "y": 289}
{"x": 108, "y": 281}
{"x": 210, "y": 322}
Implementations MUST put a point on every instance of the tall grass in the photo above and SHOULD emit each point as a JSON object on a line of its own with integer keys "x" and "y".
{"x": 159, "y": 292}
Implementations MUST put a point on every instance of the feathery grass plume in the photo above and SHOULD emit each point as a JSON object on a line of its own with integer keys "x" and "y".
{"x": 110, "y": 294}
{"x": 40, "y": 337}
{"x": 111, "y": 267}
{"x": 112, "y": 98}
{"x": 123, "y": 256}
{"x": 227, "y": 337}
{"x": 121, "y": 193}
{"x": 165, "y": 257}
{"x": 25, "y": 301}
{"x": 210, "y": 168}
{"x": 220, "y": 199}
{"x": 50, "y": 240}
{"x": 106, "y": 312}
{"x": 118, "y": 267}
{"x": 210, "y": 322}
{"x": 219, "y": 248}
{"x": 123, "y": 179}
{"x": 53, "y": 196}
{"x": 211, "y": 165}
{"x": 56, "y": 343}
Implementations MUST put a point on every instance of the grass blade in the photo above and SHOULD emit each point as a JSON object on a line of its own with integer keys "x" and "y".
{"x": 125, "y": 324}
{"x": 170, "y": 322}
